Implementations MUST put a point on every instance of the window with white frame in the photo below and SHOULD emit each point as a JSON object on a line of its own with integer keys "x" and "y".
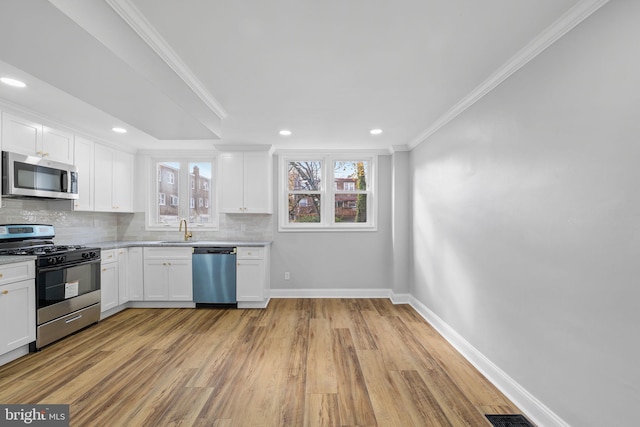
{"x": 176, "y": 186}
{"x": 327, "y": 192}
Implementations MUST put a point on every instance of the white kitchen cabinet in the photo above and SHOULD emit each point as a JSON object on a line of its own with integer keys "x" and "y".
{"x": 24, "y": 136}
{"x": 83, "y": 159}
{"x": 113, "y": 172}
{"x": 57, "y": 145}
{"x": 245, "y": 182}
{"x": 135, "y": 274}
{"x": 123, "y": 275}
{"x": 167, "y": 274}
{"x": 109, "y": 275}
{"x": 17, "y": 305}
{"x": 252, "y": 276}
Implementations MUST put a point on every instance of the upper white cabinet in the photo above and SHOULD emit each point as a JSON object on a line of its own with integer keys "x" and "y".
{"x": 113, "y": 185}
{"x": 30, "y": 138}
{"x": 245, "y": 180}
{"x": 83, "y": 160}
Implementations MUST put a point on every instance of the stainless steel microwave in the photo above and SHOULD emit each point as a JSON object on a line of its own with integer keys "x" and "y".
{"x": 31, "y": 176}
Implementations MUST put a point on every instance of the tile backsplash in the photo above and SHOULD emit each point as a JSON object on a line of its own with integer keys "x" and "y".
{"x": 92, "y": 227}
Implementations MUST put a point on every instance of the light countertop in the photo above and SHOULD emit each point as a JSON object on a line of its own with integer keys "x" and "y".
{"x": 11, "y": 259}
{"x": 178, "y": 243}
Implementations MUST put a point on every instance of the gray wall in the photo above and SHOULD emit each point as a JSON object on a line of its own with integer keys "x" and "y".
{"x": 526, "y": 222}
{"x": 336, "y": 260}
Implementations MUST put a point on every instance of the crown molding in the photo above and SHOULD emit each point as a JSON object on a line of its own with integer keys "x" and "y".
{"x": 550, "y": 35}
{"x": 134, "y": 18}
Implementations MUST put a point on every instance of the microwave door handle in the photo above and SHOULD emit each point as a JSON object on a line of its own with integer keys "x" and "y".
{"x": 64, "y": 181}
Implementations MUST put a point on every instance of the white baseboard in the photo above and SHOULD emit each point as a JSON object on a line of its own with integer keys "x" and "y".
{"x": 535, "y": 410}
{"x": 161, "y": 304}
{"x": 14, "y": 354}
{"x": 254, "y": 304}
{"x": 330, "y": 293}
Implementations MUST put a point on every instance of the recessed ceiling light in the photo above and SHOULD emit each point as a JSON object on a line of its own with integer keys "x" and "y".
{"x": 12, "y": 82}
{"x": 119, "y": 130}
{"x": 285, "y": 132}
{"x": 375, "y": 131}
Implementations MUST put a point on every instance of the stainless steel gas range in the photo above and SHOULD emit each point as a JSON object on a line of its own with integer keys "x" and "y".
{"x": 67, "y": 280}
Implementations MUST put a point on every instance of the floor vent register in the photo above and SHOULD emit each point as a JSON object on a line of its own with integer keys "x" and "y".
{"x": 509, "y": 421}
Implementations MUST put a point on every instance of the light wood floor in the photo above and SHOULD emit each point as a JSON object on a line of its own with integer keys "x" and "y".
{"x": 301, "y": 362}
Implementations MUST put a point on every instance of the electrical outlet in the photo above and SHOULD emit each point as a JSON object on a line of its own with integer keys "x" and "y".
{"x": 287, "y": 276}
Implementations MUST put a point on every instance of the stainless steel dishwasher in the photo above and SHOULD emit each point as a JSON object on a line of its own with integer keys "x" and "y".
{"x": 214, "y": 276}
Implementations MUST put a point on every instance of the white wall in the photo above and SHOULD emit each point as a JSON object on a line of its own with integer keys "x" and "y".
{"x": 526, "y": 222}
{"x": 344, "y": 261}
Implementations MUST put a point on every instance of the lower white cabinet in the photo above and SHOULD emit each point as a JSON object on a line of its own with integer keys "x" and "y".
{"x": 135, "y": 274}
{"x": 123, "y": 275}
{"x": 109, "y": 275}
{"x": 252, "y": 276}
{"x": 167, "y": 274}
{"x": 17, "y": 305}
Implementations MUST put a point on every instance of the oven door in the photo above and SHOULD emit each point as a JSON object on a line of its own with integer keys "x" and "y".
{"x": 63, "y": 289}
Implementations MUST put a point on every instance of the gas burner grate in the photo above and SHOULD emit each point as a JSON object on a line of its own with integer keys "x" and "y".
{"x": 511, "y": 420}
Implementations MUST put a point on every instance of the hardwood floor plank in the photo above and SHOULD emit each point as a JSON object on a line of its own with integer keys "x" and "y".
{"x": 353, "y": 398}
{"x": 395, "y": 353}
{"x": 322, "y": 411}
{"x": 423, "y": 407}
{"x": 386, "y": 400}
{"x": 321, "y": 369}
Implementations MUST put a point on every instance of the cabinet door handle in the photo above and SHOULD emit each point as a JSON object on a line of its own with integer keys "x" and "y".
{"x": 1, "y": 275}
{"x": 5, "y": 292}
{"x": 104, "y": 269}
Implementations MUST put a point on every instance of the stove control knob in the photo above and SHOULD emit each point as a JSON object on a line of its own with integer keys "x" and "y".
{"x": 86, "y": 255}
{"x": 60, "y": 259}
{"x": 93, "y": 254}
{"x": 51, "y": 260}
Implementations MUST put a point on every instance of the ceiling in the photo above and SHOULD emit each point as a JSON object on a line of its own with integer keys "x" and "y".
{"x": 194, "y": 73}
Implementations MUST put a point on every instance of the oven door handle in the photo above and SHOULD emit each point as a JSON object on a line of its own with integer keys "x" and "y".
{"x": 60, "y": 266}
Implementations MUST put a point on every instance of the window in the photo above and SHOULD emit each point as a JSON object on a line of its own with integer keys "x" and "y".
{"x": 177, "y": 182}
{"x": 327, "y": 192}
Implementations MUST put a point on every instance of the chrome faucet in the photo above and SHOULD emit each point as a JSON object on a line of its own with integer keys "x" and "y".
{"x": 187, "y": 234}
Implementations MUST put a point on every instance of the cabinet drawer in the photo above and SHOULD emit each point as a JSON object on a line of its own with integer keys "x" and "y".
{"x": 250, "y": 253}
{"x": 166, "y": 253}
{"x": 110, "y": 255}
{"x": 16, "y": 272}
